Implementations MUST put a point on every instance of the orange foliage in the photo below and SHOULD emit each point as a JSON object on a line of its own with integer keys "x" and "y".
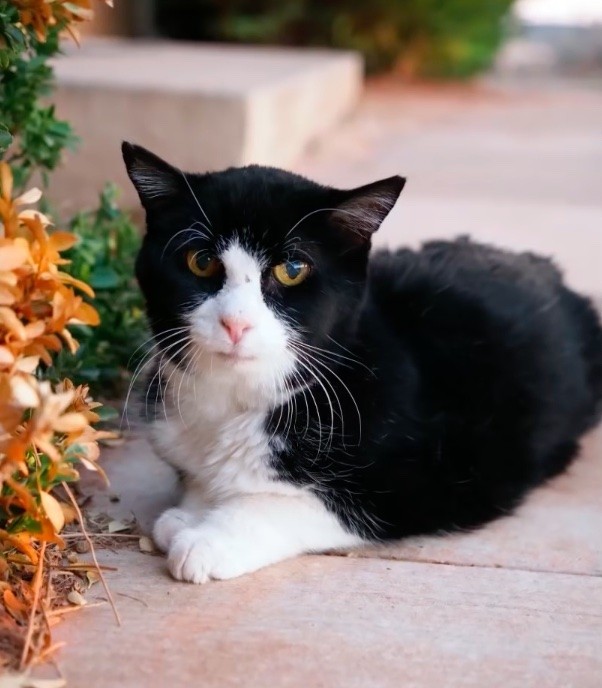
{"x": 37, "y": 303}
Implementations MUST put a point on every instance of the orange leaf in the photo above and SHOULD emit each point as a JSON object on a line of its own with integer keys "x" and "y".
{"x": 14, "y": 605}
{"x": 27, "y": 364}
{"x": 7, "y": 296}
{"x": 6, "y": 181}
{"x": 6, "y": 356}
{"x": 12, "y": 256}
{"x": 48, "y": 533}
{"x": 27, "y": 501}
{"x": 61, "y": 241}
{"x": 9, "y": 319}
{"x": 68, "y": 279}
{"x": 21, "y": 542}
{"x": 70, "y": 422}
{"x": 72, "y": 344}
{"x": 87, "y": 314}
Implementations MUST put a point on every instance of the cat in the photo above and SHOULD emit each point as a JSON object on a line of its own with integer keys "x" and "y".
{"x": 314, "y": 396}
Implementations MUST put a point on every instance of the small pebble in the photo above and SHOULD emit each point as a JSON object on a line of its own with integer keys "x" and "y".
{"x": 77, "y": 598}
{"x": 82, "y": 546}
{"x": 146, "y": 544}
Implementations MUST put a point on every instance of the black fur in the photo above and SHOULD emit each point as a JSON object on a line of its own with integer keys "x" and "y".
{"x": 472, "y": 371}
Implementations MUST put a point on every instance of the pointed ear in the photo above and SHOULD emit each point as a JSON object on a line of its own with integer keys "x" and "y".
{"x": 153, "y": 177}
{"x": 362, "y": 210}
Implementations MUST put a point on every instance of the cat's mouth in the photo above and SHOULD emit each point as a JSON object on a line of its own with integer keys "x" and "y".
{"x": 234, "y": 356}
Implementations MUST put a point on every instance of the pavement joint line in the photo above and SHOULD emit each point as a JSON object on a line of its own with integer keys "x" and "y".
{"x": 526, "y": 569}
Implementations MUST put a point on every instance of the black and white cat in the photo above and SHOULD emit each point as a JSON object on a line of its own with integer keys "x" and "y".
{"x": 314, "y": 397}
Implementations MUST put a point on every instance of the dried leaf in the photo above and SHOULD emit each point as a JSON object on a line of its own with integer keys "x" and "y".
{"x": 32, "y": 196}
{"x": 46, "y": 683}
{"x": 53, "y": 510}
{"x": 92, "y": 577}
{"x": 69, "y": 512}
{"x": 24, "y": 680}
{"x": 117, "y": 526}
{"x": 77, "y": 598}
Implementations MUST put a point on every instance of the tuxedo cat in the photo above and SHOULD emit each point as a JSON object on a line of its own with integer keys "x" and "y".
{"x": 314, "y": 396}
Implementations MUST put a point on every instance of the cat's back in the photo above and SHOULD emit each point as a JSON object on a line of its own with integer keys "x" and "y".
{"x": 476, "y": 315}
{"x": 462, "y": 267}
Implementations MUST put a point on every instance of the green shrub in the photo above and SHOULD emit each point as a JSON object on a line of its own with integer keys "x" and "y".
{"x": 427, "y": 38}
{"x": 32, "y": 142}
{"x": 104, "y": 258}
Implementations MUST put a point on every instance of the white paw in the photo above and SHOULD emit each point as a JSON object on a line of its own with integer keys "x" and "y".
{"x": 205, "y": 553}
{"x": 168, "y": 525}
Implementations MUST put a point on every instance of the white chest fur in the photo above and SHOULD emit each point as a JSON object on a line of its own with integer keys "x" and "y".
{"x": 222, "y": 446}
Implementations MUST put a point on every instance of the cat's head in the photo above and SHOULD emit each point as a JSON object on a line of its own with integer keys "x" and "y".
{"x": 245, "y": 270}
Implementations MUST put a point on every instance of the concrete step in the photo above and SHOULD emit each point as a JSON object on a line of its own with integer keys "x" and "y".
{"x": 201, "y": 106}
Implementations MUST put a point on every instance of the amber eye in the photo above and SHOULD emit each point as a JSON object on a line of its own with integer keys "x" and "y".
{"x": 202, "y": 264}
{"x": 291, "y": 272}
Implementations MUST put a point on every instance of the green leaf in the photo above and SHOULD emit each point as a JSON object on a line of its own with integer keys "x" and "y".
{"x": 107, "y": 413}
{"x": 104, "y": 277}
{"x": 6, "y": 138}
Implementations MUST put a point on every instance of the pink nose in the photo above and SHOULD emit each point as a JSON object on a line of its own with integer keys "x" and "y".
{"x": 235, "y": 327}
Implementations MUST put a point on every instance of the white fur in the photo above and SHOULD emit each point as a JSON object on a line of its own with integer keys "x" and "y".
{"x": 235, "y": 516}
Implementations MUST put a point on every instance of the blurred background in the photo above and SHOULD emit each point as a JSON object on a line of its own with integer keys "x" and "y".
{"x": 492, "y": 110}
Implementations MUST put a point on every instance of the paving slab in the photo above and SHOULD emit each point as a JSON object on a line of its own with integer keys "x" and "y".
{"x": 201, "y": 106}
{"x": 332, "y": 621}
{"x": 557, "y": 529}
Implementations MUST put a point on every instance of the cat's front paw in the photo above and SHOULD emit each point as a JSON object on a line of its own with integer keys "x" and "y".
{"x": 168, "y": 525}
{"x": 204, "y": 553}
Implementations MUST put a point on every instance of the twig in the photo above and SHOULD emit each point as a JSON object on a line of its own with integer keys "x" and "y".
{"x": 66, "y": 536}
{"x": 131, "y": 597}
{"x": 92, "y": 551}
{"x": 50, "y": 650}
{"x": 61, "y": 611}
{"x": 83, "y": 566}
{"x": 37, "y": 586}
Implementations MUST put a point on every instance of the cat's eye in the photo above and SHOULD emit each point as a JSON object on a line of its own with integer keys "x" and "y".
{"x": 291, "y": 272}
{"x": 202, "y": 264}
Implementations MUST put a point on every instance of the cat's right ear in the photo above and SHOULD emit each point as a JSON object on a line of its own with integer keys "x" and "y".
{"x": 361, "y": 211}
{"x": 153, "y": 178}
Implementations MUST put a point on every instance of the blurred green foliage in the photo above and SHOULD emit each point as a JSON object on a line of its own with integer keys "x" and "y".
{"x": 418, "y": 38}
{"x": 32, "y": 138}
{"x": 104, "y": 257}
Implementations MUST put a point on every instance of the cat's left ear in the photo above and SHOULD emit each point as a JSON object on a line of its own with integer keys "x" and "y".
{"x": 362, "y": 211}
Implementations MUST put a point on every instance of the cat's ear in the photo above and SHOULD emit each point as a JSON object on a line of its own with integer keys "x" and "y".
{"x": 153, "y": 178}
{"x": 362, "y": 211}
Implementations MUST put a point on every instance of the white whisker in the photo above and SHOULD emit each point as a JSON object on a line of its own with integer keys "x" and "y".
{"x": 195, "y": 198}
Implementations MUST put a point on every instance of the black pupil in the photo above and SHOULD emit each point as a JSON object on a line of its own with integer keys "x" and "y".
{"x": 294, "y": 268}
{"x": 203, "y": 262}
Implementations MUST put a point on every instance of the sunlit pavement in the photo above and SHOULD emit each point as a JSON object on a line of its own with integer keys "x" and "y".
{"x": 517, "y": 604}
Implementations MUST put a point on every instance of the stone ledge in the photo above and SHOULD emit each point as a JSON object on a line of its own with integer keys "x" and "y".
{"x": 201, "y": 106}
